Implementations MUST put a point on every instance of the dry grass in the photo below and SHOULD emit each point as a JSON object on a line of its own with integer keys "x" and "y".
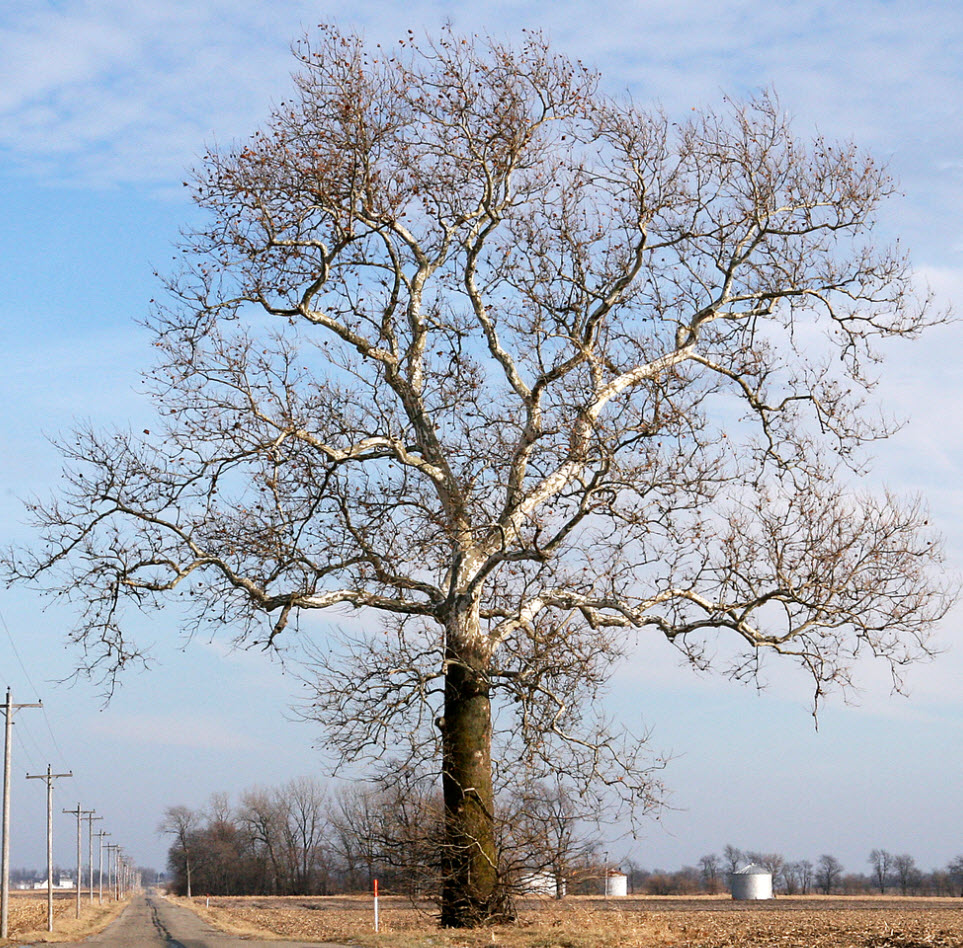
{"x": 596, "y": 923}
{"x": 27, "y": 919}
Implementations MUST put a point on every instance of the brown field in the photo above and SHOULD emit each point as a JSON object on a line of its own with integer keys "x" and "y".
{"x": 27, "y": 921}
{"x": 594, "y": 922}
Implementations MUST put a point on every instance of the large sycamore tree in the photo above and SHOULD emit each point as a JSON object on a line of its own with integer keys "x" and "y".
{"x": 523, "y": 375}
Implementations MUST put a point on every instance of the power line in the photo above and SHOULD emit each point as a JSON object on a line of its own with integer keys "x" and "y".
{"x": 37, "y": 749}
{"x": 32, "y": 759}
{"x": 28, "y": 752}
{"x": 16, "y": 653}
{"x": 33, "y": 687}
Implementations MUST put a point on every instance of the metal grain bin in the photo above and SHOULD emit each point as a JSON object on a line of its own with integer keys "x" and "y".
{"x": 616, "y": 883}
{"x": 751, "y": 882}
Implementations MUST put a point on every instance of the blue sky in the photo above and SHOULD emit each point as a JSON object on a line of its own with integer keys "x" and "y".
{"x": 105, "y": 103}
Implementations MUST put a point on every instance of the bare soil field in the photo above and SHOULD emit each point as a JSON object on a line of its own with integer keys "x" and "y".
{"x": 27, "y": 919}
{"x": 587, "y": 922}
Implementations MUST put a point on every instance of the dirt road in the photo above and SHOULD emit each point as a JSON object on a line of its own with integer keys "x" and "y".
{"x": 152, "y": 922}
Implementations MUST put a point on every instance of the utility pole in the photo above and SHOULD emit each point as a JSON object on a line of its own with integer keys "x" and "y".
{"x": 100, "y": 869}
{"x": 120, "y": 870}
{"x": 112, "y": 849}
{"x": 49, "y": 777}
{"x": 80, "y": 814}
{"x": 90, "y": 851}
{"x": 8, "y": 708}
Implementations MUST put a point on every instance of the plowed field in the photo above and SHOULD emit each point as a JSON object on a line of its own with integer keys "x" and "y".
{"x": 711, "y": 922}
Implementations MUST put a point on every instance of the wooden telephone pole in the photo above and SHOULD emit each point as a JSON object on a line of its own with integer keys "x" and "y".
{"x": 49, "y": 777}
{"x": 100, "y": 871}
{"x": 113, "y": 853}
{"x": 8, "y": 708}
{"x": 80, "y": 814}
{"x": 90, "y": 851}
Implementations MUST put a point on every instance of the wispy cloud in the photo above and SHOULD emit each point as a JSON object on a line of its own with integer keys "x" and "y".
{"x": 119, "y": 91}
{"x": 116, "y": 91}
{"x": 193, "y": 729}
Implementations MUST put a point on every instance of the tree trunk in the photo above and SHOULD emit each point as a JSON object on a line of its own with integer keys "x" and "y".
{"x": 471, "y": 894}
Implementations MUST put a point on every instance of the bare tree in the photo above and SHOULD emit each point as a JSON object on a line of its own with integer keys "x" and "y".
{"x": 260, "y": 815}
{"x": 289, "y": 827}
{"x": 549, "y": 833}
{"x": 219, "y": 808}
{"x": 182, "y": 823}
{"x": 391, "y": 829}
{"x": 773, "y": 862}
{"x": 303, "y": 805}
{"x": 526, "y": 372}
{"x": 792, "y": 876}
{"x": 356, "y": 837}
{"x": 224, "y": 847}
{"x": 734, "y": 858}
{"x": 955, "y": 872}
{"x": 410, "y": 834}
{"x": 684, "y": 881}
{"x": 904, "y": 868}
{"x": 828, "y": 872}
{"x": 355, "y": 815}
{"x": 711, "y": 868}
{"x": 881, "y": 862}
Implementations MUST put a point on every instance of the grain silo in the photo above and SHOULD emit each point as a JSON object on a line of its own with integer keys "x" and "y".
{"x": 616, "y": 883}
{"x": 751, "y": 882}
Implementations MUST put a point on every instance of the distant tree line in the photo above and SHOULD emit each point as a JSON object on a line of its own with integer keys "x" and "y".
{"x": 30, "y": 877}
{"x": 22, "y": 877}
{"x": 290, "y": 840}
{"x": 302, "y": 839}
{"x": 890, "y": 873}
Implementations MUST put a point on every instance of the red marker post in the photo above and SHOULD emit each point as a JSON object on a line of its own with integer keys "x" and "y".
{"x": 376, "y": 903}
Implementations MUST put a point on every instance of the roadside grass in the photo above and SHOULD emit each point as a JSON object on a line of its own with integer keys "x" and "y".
{"x": 27, "y": 918}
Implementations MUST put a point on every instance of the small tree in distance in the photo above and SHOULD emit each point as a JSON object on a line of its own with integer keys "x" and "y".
{"x": 182, "y": 823}
{"x": 955, "y": 872}
{"x": 711, "y": 870}
{"x": 793, "y": 875}
{"x": 548, "y": 836}
{"x": 828, "y": 872}
{"x": 521, "y": 373}
{"x": 773, "y": 862}
{"x": 904, "y": 868}
{"x": 734, "y": 858}
{"x": 881, "y": 862}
